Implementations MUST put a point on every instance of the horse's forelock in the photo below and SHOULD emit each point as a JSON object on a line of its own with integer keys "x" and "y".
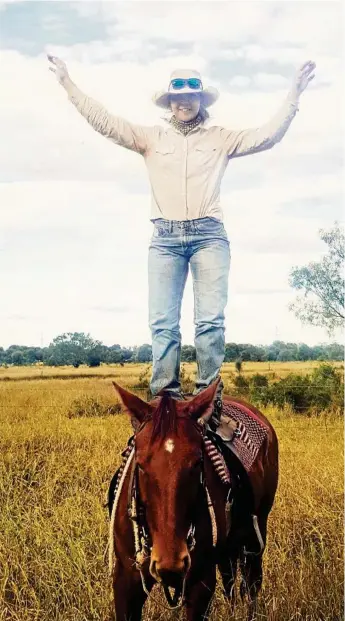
{"x": 164, "y": 417}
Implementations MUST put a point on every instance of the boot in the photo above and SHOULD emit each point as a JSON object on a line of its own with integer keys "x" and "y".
{"x": 216, "y": 414}
{"x": 224, "y": 426}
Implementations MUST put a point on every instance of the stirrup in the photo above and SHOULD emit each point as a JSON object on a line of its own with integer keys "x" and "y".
{"x": 218, "y": 404}
{"x": 225, "y": 427}
{"x": 216, "y": 414}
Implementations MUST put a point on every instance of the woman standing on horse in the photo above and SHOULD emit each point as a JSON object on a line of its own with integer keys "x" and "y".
{"x": 186, "y": 161}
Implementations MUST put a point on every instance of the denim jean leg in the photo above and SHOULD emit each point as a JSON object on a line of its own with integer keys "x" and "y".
{"x": 210, "y": 265}
{"x": 168, "y": 270}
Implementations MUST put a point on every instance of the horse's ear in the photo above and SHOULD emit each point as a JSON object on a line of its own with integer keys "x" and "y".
{"x": 201, "y": 406}
{"x": 134, "y": 405}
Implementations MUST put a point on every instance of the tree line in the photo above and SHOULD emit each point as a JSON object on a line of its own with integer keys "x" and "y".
{"x": 78, "y": 348}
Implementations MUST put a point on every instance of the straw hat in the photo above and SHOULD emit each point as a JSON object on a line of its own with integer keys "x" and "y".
{"x": 208, "y": 96}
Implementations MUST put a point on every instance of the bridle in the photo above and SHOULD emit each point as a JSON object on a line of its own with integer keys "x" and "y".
{"x": 136, "y": 510}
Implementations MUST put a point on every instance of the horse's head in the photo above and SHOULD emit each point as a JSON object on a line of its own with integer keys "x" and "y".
{"x": 169, "y": 450}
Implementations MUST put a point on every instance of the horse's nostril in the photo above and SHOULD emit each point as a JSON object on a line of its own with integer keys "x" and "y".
{"x": 171, "y": 574}
{"x": 170, "y": 568}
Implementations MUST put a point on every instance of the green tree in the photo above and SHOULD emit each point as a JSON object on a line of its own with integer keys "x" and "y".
{"x": 335, "y": 351}
{"x": 96, "y": 355}
{"x": 188, "y": 353}
{"x": 17, "y": 357}
{"x": 128, "y": 354}
{"x": 33, "y": 354}
{"x": 304, "y": 352}
{"x": 327, "y": 387}
{"x": 244, "y": 351}
{"x": 144, "y": 353}
{"x": 293, "y": 350}
{"x": 94, "y": 358}
{"x": 231, "y": 352}
{"x": 71, "y": 348}
{"x": 114, "y": 354}
{"x": 322, "y": 284}
{"x": 284, "y": 355}
{"x": 272, "y": 351}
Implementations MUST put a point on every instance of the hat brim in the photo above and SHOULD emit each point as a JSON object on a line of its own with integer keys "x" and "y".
{"x": 208, "y": 96}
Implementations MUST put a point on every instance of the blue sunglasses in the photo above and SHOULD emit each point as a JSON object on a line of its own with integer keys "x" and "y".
{"x": 193, "y": 83}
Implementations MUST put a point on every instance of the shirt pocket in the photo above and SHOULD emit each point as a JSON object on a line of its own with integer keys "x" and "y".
{"x": 205, "y": 154}
{"x": 165, "y": 158}
{"x": 165, "y": 149}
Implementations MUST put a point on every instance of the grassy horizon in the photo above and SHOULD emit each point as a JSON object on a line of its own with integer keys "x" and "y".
{"x": 132, "y": 370}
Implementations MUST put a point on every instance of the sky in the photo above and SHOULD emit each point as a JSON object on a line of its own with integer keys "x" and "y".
{"x": 74, "y": 207}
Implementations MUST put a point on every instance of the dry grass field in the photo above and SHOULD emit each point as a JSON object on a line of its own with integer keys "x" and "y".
{"x": 55, "y": 468}
{"x": 130, "y": 372}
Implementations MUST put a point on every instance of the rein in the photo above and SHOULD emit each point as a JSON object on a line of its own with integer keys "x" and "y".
{"x": 142, "y": 541}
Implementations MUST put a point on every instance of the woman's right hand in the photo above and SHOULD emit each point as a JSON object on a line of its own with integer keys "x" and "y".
{"x": 59, "y": 68}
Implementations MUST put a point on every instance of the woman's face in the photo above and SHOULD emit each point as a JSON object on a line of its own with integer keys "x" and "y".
{"x": 185, "y": 106}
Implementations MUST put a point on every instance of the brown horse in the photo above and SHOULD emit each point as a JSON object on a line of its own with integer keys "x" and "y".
{"x": 172, "y": 523}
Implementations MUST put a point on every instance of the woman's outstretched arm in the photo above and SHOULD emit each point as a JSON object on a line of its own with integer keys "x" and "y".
{"x": 115, "y": 128}
{"x": 258, "y": 139}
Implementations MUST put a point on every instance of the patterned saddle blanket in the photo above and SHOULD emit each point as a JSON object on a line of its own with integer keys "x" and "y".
{"x": 249, "y": 435}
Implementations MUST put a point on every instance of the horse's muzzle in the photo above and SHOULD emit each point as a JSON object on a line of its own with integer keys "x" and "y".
{"x": 171, "y": 573}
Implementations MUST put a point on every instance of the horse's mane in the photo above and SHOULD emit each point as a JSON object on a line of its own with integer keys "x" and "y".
{"x": 164, "y": 417}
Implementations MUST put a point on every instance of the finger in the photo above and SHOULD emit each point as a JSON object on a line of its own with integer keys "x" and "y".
{"x": 307, "y": 71}
{"x": 55, "y": 60}
{"x": 307, "y": 66}
{"x": 311, "y": 77}
{"x": 304, "y": 65}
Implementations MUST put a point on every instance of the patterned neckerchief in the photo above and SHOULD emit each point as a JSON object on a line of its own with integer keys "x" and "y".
{"x": 185, "y": 127}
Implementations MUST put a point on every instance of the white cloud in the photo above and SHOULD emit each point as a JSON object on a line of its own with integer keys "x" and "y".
{"x": 310, "y": 26}
{"x": 271, "y": 79}
{"x": 176, "y": 21}
{"x": 239, "y": 80}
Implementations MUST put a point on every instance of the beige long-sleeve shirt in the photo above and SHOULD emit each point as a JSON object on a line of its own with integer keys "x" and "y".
{"x": 185, "y": 172}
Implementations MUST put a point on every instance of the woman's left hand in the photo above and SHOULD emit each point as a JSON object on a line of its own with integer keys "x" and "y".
{"x": 303, "y": 76}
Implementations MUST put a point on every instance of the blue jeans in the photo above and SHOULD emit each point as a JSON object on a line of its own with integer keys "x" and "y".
{"x": 203, "y": 245}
